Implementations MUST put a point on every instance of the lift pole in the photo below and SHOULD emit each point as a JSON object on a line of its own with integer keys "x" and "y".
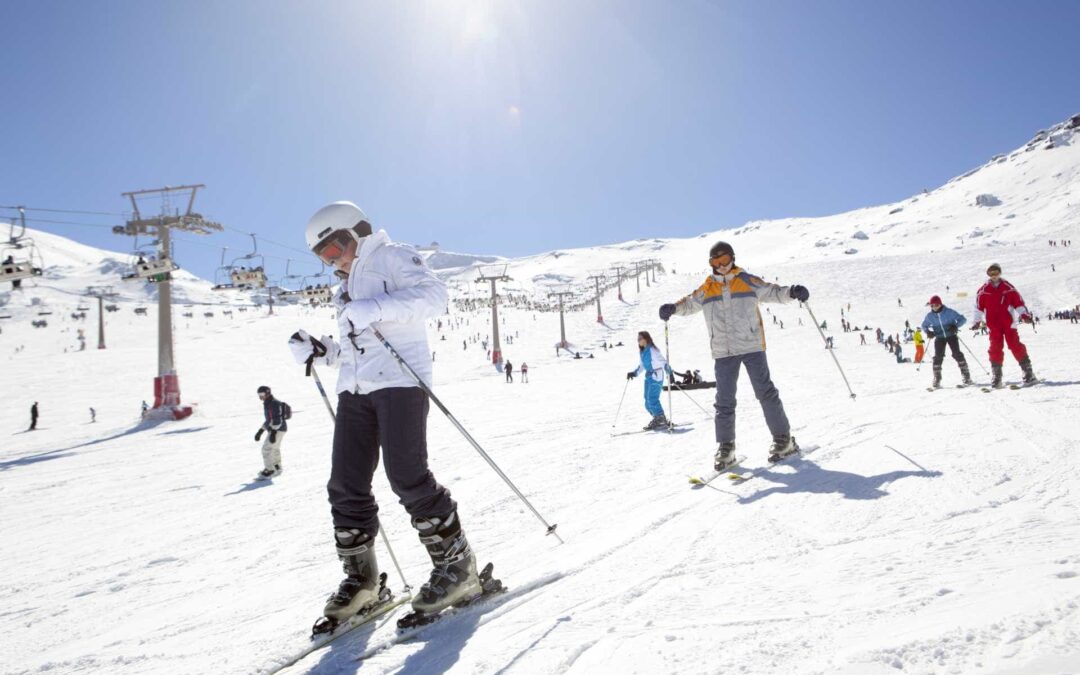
{"x": 167, "y": 382}
{"x": 618, "y": 276}
{"x": 100, "y": 292}
{"x": 599, "y": 314}
{"x": 562, "y": 319}
{"x": 496, "y": 348}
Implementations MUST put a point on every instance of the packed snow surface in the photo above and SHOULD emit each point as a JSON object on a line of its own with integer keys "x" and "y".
{"x": 922, "y": 532}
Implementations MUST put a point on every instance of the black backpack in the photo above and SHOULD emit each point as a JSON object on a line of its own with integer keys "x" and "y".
{"x": 286, "y": 410}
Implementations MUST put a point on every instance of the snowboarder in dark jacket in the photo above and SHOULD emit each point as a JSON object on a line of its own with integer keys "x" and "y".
{"x": 274, "y": 426}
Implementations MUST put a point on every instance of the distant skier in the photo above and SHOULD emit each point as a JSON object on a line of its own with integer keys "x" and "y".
{"x": 729, "y": 298}
{"x": 274, "y": 426}
{"x": 900, "y": 354}
{"x": 389, "y": 287}
{"x": 33, "y": 416}
{"x": 654, "y": 365}
{"x": 145, "y": 408}
{"x": 509, "y": 368}
{"x": 920, "y": 345}
{"x": 998, "y": 305}
{"x": 942, "y": 324}
{"x": 93, "y": 416}
{"x": 524, "y": 373}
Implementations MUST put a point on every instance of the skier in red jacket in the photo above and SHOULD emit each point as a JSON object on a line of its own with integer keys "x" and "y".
{"x": 999, "y": 304}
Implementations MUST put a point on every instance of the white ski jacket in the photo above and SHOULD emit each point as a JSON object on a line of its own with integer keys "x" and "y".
{"x": 390, "y": 283}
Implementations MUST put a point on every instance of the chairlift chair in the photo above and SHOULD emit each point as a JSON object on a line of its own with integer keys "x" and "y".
{"x": 20, "y": 259}
{"x": 241, "y": 277}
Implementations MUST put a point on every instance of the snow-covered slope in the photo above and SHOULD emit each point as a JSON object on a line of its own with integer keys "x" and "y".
{"x": 926, "y": 532}
{"x": 1033, "y": 193}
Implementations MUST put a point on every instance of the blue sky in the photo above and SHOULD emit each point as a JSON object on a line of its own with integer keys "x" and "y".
{"x": 513, "y": 127}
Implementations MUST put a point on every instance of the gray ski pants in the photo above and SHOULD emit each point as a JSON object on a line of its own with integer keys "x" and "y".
{"x": 271, "y": 450}
{"x": 727, "y": 377}
{"x": 395, "y": 420}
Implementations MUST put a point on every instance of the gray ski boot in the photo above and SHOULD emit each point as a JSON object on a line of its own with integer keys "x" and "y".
{"x": 937, "y": 378}
{"x": 782, "y": 447}
{"x": 965, "y": 374}
{"x": 1029, "y": 373}
{"x": 454, "y": 579}
{"x": 995, "y": 369}
{"x": 360, "y": 587}
{"x": 725, "y": 456}
{"x": 658, "y": 422}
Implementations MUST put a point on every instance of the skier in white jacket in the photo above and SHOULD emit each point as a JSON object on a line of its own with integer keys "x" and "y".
{"x": 389, "y": 287}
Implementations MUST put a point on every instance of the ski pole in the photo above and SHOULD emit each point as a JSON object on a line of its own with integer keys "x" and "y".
{"x": 619, "y": 409}
{"x": 671, "y": 409}
{"x": 831, "y": 352}
{"x": 319, "y": 347}
{"x": 692, "y": 400}
{"x": 453, "y": 420}
{"x": 972, "y": 354}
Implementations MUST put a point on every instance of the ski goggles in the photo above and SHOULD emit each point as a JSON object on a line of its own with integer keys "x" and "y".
{"x": 333, "y": 246}
{"x": 722, "y": 260}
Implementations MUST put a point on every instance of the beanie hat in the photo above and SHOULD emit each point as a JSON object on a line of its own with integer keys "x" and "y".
{"x": 263, "y": 390}
{"x": 934, "y": 300}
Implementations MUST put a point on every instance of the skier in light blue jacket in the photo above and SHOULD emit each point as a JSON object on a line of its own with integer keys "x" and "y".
{"x": 654, "y": 365}
{"x": 943, "y": 324}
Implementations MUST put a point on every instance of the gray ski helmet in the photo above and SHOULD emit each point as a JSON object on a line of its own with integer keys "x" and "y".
{"x": 263, "y": 390}
{"x": 720, "y": 248}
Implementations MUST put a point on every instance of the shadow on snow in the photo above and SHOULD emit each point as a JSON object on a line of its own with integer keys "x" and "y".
{"x": 253, "y": 485}
{"x": 143, "y": 425}
{"x": 183, "y": 431}
{"x": 812, "y": 478}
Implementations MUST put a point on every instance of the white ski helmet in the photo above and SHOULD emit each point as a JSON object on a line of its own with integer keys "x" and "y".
{"x": 335, "y": 217}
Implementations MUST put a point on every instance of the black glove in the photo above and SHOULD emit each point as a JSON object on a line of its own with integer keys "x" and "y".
{"x": 666, "y": 311}
{"x": 799, "y": 293}
{"x": 273, "y": 436}
{"x": 631, "y": 375}
{"x": 931, "y": 334}
{"x": 259, "y": 433}
{"x": 950, "y": 331}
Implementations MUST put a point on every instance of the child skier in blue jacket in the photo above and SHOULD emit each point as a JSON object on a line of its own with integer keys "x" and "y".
{"x": 654, "y": 365}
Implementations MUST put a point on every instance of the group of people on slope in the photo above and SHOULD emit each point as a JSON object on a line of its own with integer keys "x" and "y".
{"x": 999, "y": 308}
{"x": 729, "y": 299}
{"x": 384, "y": 376}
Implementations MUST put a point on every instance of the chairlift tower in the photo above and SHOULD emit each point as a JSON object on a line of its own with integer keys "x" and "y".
{"x": 167, "y": 382}
{"x": 498, "y": 273}
{"x": 562, "y": 320}
{"x": 618, "y": 278}
{"x": 599, "y": 314}
{"x": 100, "y": 292}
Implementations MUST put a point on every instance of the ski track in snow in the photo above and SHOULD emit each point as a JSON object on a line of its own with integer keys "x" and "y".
{"x": 150, "y": 548}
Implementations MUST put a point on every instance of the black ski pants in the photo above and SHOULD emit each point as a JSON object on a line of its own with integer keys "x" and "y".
{"x": 954, "y": 347}
{"x": 394, "y": 419}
